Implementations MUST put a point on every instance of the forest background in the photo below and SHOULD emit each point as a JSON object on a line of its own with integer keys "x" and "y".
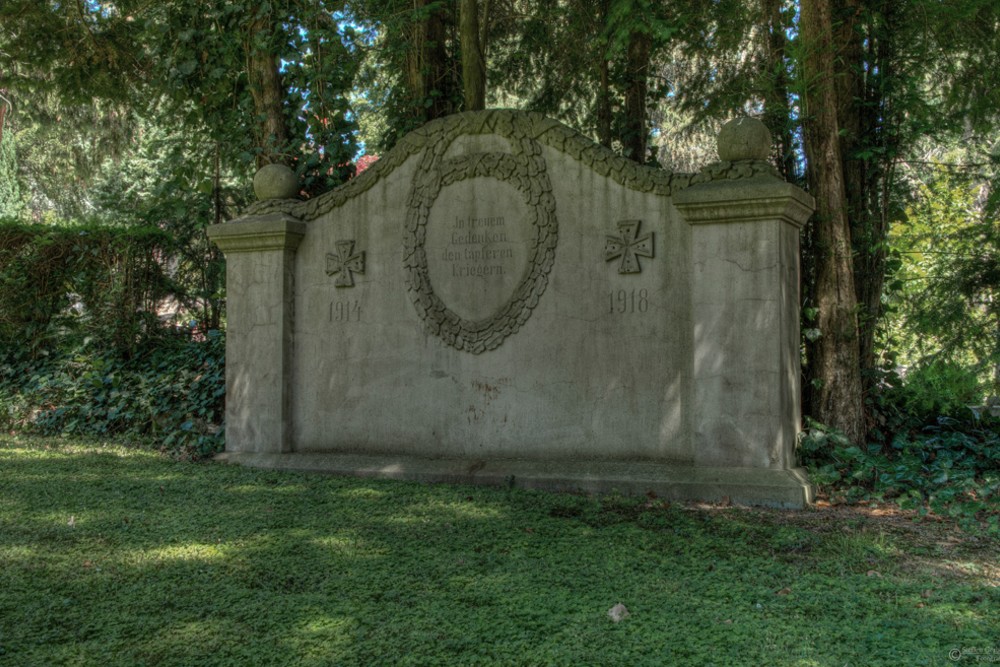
{"x": 129, "y": 126}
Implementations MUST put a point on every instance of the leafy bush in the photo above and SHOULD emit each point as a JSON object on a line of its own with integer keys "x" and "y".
{"x": 83, "y": 349}
{"x": 939, "y": 388}
{"x": 91, "y": 280}
{"x": 172, "y": 393}
{"x": 951, "y": 468}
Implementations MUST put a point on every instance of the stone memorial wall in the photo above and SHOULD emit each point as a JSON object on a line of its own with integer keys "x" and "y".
{"x": 500, "y": 300}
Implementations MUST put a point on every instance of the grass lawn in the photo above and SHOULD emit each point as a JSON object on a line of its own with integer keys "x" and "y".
{"x": 117, "y": 556}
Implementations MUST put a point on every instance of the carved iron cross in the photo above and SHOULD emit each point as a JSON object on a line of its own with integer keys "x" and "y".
{"x": 346, "y": 262}
{"x": 629, "y": 246}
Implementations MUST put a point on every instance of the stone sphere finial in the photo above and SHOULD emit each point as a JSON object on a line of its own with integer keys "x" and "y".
{"x": 744, "y": 139}
{"x": 275, "y": 181}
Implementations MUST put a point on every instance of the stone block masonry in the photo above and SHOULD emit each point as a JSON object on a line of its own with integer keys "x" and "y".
{"x": 500, "y": 300}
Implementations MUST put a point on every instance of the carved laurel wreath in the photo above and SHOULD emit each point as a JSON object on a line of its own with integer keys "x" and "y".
{"x": 502, "y": 122}
{"x": 525, "y": 170}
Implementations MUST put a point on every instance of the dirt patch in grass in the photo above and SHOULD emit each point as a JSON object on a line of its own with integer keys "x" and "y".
{"x": 924, "y": 544}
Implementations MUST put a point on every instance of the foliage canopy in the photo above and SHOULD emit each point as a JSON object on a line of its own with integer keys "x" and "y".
{"x": 155, "y": 114}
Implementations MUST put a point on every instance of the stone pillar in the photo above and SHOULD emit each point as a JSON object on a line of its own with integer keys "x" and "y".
{"x": 745, "y": 225}
{"x": 260, "y": 256}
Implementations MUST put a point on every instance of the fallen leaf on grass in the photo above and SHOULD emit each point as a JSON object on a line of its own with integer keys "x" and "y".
{"x": 783, "y": 591}
{"x": 618, "y": 612}
{"x": 873, "y": 573}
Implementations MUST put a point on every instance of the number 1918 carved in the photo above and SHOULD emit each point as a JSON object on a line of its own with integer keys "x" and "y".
{"x": 628, "y": 301}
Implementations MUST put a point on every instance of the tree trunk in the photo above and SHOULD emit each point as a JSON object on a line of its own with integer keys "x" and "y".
{"x": 5, "y": 106}
{"x": 217, "y": 185}
{"x": 415, "y": 55}
{"x": 873, "y": 174}
{"x": 834, "y": 368}
{"x": 427, "y": 63}
{"x": 864, "y": 45}
{"x": 268, "y": 95}
{"x": 473, "y": 63}
{"x": 856, "y": 134}
{"x": 636, "y": 73}
{"x": 603, "y": 102}
{"x": 995, "y": 312}
{"x": 777, "y": 111}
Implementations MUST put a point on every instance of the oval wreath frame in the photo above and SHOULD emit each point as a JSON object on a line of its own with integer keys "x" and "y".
{"x": 524, "y": 169}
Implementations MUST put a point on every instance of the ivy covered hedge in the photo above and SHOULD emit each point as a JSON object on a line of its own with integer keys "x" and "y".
{"x": 87, "y": 345}
{"x": 57, "y": 281}
{"x": 171, "y": 394}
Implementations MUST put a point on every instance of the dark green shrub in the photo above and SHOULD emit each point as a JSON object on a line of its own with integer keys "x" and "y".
{"x": 83, "y": 349}
{"x": 939, "y": 388}
{"x": 62, "y": 283}
{"x": 951, "y": 468}
{"x": 171, "y": 393}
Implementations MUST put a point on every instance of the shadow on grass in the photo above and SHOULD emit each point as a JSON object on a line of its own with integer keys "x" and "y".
{"x": 166, "y": 563}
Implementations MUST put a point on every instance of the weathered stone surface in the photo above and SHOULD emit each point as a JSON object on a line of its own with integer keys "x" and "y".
{"x": 744, "y": 256}
{"x": 500, "y": 296}
{"x": 744, "y": 139}
{"x": 275, "y": 181}
{"x": 672, "y": 482}
{"x": 260, "y": 252}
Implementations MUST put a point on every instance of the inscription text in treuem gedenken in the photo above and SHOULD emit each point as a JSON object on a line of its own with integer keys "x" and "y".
{"x": 476, "y": 246}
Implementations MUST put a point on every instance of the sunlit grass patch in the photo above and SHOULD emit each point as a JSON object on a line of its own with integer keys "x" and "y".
{"x": 117, "y": 556}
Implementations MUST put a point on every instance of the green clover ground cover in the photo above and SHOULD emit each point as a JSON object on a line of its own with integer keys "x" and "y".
{"x": 118, "y": 556}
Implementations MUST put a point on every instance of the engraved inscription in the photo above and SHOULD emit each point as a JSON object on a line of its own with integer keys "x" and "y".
{"x": 629, "y": 246}
{"x": 476, "y": 245}
{"x": 489, "y": 245}
{"x": 628, "y": 301}
{"x": 477, "y": 264}
{"x": 345, "y": 263}
{"x": 345, "y": 311}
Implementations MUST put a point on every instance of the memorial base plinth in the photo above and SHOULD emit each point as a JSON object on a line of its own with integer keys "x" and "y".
{"x": 787, "y": 488}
